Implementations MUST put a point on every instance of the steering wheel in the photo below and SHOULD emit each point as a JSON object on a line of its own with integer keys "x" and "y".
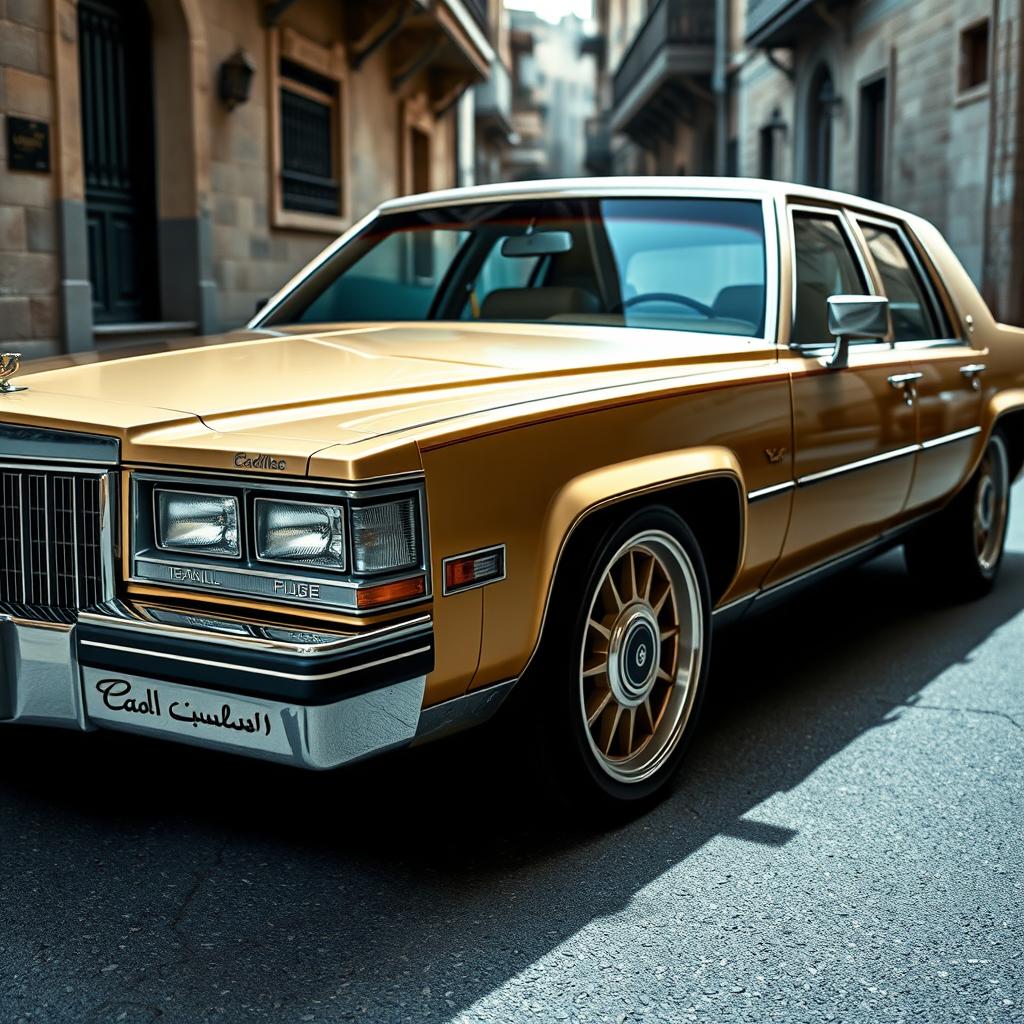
{"x": 682, "y": 300}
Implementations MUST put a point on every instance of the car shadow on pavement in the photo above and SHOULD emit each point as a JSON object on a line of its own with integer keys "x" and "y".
{"x": 417, "y": 884}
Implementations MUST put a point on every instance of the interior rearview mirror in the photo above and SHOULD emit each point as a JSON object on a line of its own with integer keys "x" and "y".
{"x": 537, "y": 243}
{"x": 852, "y": 317}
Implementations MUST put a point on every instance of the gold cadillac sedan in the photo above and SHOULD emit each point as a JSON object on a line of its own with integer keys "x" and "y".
{"x": 536, "y": 435}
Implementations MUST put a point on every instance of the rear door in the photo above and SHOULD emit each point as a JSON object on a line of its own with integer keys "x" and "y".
{"x": 948, "y": 392}
{"x": 854, "y": 431}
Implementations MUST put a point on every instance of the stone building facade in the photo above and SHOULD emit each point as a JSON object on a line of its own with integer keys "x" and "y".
{"x": 165, "y": 165}
{"x": 662, "y": 82}
{"x": 913, "y": 102}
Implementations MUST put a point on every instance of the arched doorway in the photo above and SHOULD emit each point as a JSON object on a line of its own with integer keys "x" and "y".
{"x": 822, "y": 100}
{"x": 116, "y": 82}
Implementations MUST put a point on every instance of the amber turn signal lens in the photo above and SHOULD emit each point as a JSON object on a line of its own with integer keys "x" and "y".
{"x": 389, "y": 593}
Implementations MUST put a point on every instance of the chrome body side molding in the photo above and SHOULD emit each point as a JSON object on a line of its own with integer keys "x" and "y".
{"x": 850, "y": 467}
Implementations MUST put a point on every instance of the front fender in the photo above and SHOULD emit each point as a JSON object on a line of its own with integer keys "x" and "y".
{"x": 521, "y": 604}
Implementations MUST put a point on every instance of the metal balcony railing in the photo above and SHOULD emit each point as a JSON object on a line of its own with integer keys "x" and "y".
{"x": 670, "y": 23}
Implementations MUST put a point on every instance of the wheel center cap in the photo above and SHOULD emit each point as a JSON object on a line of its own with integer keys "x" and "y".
{"x": 634, "y": 654}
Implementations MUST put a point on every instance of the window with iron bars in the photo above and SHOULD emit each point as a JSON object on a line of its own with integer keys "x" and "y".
{"x": 310, "y": 149}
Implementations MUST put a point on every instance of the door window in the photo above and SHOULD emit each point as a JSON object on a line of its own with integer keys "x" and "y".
{"x": 913, "y": 315}
{"x": 824, "y": 265}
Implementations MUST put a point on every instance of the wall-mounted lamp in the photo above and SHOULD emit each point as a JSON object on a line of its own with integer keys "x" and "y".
{"x": 235, "y": 79}
{"x": 828, "y": 99}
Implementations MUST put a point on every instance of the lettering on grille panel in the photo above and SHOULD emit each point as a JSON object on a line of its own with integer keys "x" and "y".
{"x": 51, "y": 539}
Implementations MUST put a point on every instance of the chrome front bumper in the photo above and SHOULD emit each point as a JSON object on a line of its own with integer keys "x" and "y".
{"x": 315, "y": 700}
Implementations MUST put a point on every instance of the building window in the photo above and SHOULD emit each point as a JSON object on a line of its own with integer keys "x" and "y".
{"x": 308, "y": 127}
{"x": 974, "y": 55}
{"x": 872, "y": 139}
{"x": 310, "y": 176}
{"x": 823, "y": 102}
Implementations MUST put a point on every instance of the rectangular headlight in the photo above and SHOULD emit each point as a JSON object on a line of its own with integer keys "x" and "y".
{"x": 384, "y": 536}
{"x": 300, "y": 533}
{"x": 200, "y": 524}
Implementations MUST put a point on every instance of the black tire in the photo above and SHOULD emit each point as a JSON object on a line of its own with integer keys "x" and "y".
{"x": 571, "y": 769}
{"x": 953, "y": 556}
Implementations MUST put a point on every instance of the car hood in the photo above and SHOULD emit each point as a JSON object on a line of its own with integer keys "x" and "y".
{"x": 300, "y": 391}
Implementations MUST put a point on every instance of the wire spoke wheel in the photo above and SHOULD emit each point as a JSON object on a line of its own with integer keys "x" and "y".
{"x": 991, "y": 504}
{"x": 640, "y": 657}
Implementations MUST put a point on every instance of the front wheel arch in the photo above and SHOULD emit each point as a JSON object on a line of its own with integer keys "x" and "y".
{"x": 714, "y": 509}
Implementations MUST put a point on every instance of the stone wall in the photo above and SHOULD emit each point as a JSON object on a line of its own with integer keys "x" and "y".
{"x": 252, "y": 258}
{"x": 29, "y": 272}
{"x": 938, "y": 136}
{"x": 220, "y": 244}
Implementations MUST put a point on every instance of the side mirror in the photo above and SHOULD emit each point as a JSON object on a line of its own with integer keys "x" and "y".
{"x": 851, "y": 317}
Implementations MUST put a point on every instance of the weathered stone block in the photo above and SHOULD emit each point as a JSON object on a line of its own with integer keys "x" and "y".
{"x": 225, "y": 210}
{"x": 13, "y": 236}
{"x": 35, "y": 13}
{"x": 45, "y": 317}
{"x": 41, "y": 228}
{"x": 27, "y": 273}
{"x": 15, "y": 319}
{"x": 20, "y": 46}
{"x": 28, "y": 94}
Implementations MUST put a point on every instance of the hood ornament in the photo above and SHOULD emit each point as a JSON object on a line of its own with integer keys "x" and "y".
{"x": 10, "y": 363}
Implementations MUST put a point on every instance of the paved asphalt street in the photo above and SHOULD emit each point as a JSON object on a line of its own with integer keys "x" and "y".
{"x": 846, "y": 843}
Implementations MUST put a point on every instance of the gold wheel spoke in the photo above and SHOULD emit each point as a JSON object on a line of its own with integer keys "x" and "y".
{"x": 660, "y": 603}
{"x": 646, "y": 580}
{"x": 612, "y": 599}
{"x": 634, "y": 591}
{"x": 667, "y": 634}
{"x": 608, "y": 731}
{"x": 662, "y": 674}
{"x": 626, "y": 725}
{"x": 595, "y": 670}
{"x": 602, "y": 704}
{"x": 599, "y": 627}
{"x": 649, "y": 713}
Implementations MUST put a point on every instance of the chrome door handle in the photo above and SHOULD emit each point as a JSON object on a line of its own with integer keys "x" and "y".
{"x": 908, "y": 382}
{"x": 897, "y": 380}
{"x": 973, "y": 372}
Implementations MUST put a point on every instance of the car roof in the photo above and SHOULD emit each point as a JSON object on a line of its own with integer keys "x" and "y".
{"x": 649, "y": 185}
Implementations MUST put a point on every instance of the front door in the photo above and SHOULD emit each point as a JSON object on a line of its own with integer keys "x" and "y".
{"x": 854, "y": 435}
{"x": 116, "y": 68}
{"x": 948, "y": 392}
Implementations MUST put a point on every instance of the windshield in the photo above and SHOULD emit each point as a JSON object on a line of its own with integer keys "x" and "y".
{"x": 674, "y": 264}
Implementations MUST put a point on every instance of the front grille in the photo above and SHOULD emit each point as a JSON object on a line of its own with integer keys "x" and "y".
{"x": 50, "y": 538}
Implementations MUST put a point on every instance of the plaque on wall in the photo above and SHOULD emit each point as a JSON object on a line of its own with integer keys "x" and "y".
{"x": 28, "y": 144}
